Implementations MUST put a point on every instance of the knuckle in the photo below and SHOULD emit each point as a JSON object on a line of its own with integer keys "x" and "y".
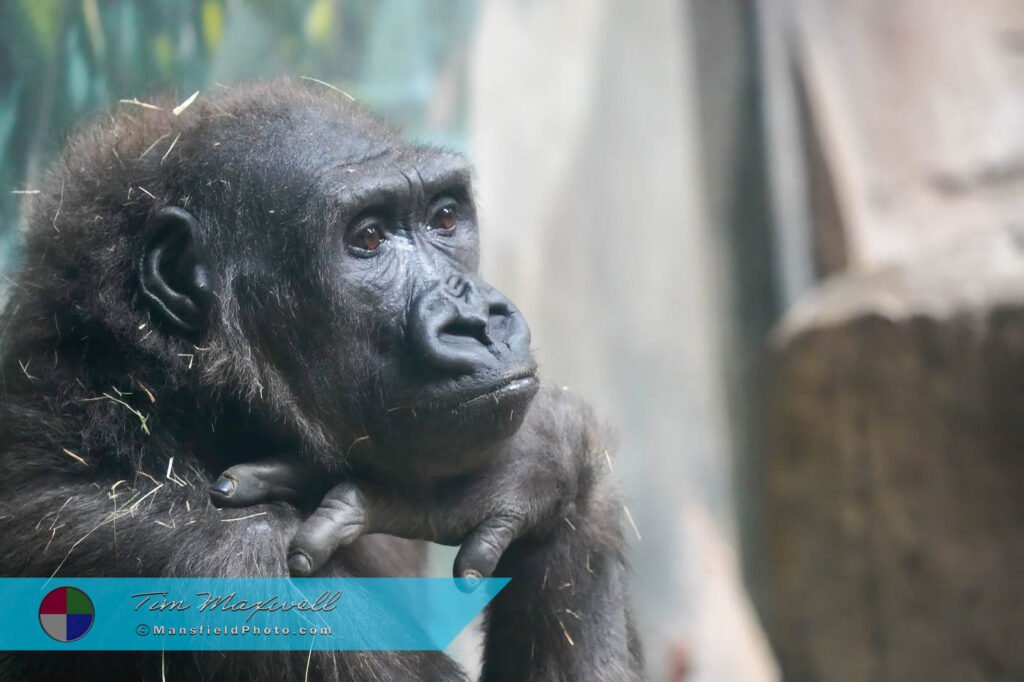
{"x": 344, "y": 501}
{"x": 502, "y": 529}
{"x": 303, "y": 542}
{"x": 489, "y": 545}
{"x": 486, "y": 548}
{"x": 342, "y": 510}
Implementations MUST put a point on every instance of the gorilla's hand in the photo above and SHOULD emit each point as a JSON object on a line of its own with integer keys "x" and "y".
{"x": 530, "y": 488}
{"x": 543, "y": 511}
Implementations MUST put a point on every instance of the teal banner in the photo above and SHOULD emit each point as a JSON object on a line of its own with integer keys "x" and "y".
{"x": 135, "y": 614}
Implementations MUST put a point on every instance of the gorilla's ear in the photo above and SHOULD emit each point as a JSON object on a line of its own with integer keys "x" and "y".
{"x": 174, "y": 273}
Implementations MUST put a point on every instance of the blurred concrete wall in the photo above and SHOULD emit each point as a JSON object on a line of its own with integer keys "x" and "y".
{"x": 586, "y": 132}
{"x": 909, "y": 115}
{"x": 895, "y": 481}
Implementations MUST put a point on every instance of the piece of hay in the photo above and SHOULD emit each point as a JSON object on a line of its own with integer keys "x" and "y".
{"x": 185, "y": 105}
{"x": 328, "y": 85}
{"x": 74, "y": 456}
{"x": 145, "y": 105}
{"x": 173, "y": 142}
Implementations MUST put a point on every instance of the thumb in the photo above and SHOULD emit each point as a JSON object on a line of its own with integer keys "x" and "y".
{"x": 484, "y": 547}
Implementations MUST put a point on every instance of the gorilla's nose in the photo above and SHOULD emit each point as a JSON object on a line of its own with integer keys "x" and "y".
{"x": 464, "y": 325}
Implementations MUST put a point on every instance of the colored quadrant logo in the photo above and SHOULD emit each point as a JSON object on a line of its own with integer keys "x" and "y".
{"x": 66, "y": 614}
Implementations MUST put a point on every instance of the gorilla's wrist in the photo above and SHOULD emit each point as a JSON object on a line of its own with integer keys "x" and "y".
{"x": 587, "y": 519}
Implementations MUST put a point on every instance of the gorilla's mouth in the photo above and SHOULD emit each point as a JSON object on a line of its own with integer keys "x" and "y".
{"x": 494, "y": 392}
{"x": 515, "y": 387}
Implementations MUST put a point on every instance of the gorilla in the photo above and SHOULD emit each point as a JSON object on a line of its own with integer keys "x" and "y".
{"x": 266, "y": 309}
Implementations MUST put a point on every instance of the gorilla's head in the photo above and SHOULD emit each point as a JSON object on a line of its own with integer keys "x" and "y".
{"x": 301, "y": 255}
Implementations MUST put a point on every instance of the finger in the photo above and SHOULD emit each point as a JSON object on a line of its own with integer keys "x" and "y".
{"x": 244, "y": 485}
{"x": 341, "y": 518}
{"x": 483, "y": 548}
{"x": 349, "y": 512}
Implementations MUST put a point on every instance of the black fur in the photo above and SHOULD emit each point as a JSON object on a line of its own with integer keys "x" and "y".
{"x": 100, "y": 395}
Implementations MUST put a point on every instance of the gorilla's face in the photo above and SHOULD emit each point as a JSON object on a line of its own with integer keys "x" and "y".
{"x": 445, "y": 356}
{"x": 354, "y": 268}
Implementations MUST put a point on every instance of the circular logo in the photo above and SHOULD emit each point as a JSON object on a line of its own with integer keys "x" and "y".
{"x": 66, "y": 614}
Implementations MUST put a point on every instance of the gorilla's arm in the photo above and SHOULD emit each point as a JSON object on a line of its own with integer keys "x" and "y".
{"x": 75, "y": 518}
{"x": 543, "y": 512}
{"x": 64, "y": 517}
{"x": 564, "y": 615}
{"x": 79, "y": 523}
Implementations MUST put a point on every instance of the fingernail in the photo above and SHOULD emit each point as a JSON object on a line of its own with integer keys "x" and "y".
{"x": 298, "y": 564}
{"x": 225, "y": 486}
{"x": 470, "y": 580}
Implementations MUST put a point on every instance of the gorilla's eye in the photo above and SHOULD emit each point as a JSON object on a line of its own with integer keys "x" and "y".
{"x": 366, "y": 236}
{"x": 445, "y": 218}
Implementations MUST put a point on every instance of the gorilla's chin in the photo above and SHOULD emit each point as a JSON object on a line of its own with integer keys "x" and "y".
{"x": 454, "y": 439}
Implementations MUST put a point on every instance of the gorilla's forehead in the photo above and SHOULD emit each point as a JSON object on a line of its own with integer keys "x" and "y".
{"x": 403, "y": 177}
{"x": 339, "y": 153}
{"x": 411, "y": 176}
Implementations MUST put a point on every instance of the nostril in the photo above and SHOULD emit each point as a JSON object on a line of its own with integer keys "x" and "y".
{"x": 499, "y": 321}
{"x": 499, "y": 309}
{"x": 473, "y": 329}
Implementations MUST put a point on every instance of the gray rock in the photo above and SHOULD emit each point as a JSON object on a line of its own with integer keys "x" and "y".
{"x": 895, "y": 477}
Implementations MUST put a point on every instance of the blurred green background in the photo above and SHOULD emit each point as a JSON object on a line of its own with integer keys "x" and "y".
{"x": 63, "y": 62}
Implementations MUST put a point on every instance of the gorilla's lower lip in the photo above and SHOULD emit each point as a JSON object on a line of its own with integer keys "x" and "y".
{"x": 508, "y": 389}
{"x": 443, "y": 399}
